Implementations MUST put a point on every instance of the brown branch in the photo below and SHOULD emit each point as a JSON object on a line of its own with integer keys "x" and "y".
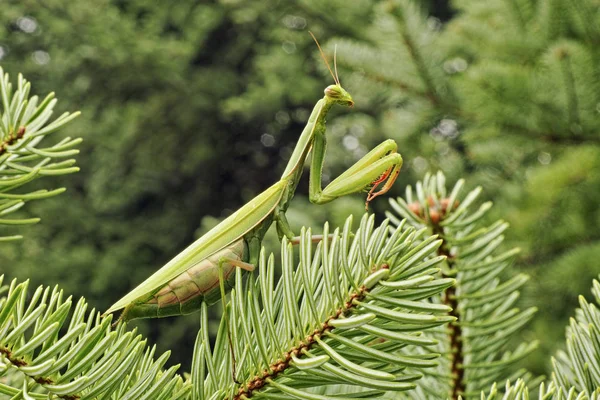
{"x": 385, "y": 80}
{"x": 11, "y": 139}
{"x": 458, "y": 384}
{"x": 19, "y": 362}
{"x": 431, "y": 92}
{"x": 433, "y": 216}
{"x": 553, "y": 137}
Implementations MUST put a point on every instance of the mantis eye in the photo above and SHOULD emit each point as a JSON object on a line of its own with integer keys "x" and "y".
{"x": 333, "y": 91}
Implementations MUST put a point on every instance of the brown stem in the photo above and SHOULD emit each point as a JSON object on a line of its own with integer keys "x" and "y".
{"x": 431, "y": 92}
{"x": 458, "y": 385}
{"x": 395, "y": 82}
{"x": 18, "y": 362}
{"x": 554, "y": 137}
{"x": 11, "y": 139}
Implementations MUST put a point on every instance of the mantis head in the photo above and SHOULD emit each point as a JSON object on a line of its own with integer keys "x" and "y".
{"x": 334, "y": 93}
{"x": 337, "y": 94}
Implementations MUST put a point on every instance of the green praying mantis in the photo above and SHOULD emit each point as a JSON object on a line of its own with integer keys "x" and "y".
{"x": 200, "y": 272}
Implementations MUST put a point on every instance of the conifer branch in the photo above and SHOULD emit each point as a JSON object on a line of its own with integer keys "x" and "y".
{"x": 415, "y": 53}
{"x": 585, "y": 13}
{"x": 477, "y": 342}
{"x": 410, "y": 68}
{"x": 23, "y": 124}
{"x": 518, "y": 14}
{"x": 386, "y": 80}
{"x": 554, "y": 137}
{"x": 48, "y": 349}
{"x": 449, "y": 298}
{"x": 344, "y": 315}
{"x": 569, "y": 85}
{"x": 578, "y": 367}
{"x": 576, "y": 373}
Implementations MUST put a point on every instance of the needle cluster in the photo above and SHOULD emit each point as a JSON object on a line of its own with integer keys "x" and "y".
{"x": 24, "y": 123}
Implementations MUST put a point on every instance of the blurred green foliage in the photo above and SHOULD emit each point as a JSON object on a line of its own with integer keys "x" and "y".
{"x": 190, "y": 108}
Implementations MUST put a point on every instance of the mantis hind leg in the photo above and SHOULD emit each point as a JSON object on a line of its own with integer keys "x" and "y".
{"x": 283, "y": 226}
{"x": 382, "y": 164}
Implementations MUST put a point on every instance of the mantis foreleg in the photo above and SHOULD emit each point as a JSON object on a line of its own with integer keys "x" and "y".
{"x": 380, "y": 164}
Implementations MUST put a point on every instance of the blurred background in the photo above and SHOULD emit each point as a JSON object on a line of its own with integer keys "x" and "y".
{"x": 191, "y": 108}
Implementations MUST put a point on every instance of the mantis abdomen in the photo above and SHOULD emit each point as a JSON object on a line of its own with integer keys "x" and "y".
{"x": 185, "y": 293}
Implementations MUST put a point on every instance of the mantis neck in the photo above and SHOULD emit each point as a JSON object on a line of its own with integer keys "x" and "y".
{"x": 316, "y": 121}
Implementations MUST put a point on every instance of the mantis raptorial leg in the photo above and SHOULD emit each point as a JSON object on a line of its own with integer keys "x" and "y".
{"x": 366, "y": 171}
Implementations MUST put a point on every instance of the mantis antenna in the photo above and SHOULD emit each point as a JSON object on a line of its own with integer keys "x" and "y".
{"x": 337, "y": 81}
{"x": 337, "y": 77}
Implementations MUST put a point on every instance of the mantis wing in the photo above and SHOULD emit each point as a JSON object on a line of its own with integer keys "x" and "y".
{"x": 229, "y": 230}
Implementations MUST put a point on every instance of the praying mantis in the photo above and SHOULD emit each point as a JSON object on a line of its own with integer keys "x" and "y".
{"x": 200, "y": 272}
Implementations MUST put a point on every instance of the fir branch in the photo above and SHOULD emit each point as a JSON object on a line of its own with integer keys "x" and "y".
{"x": 23, "y": 124}
{"x": 449, "y": 297}
{"x": 45, "y": 354}
{"x": 520, "y": 390}
{"x": 515, "y": 7}
{"x": 11, "y": 139}
{"x": 345, "y": 315}
{"x": 578, "y": 367}
{"x": 415, "y": 53}
{"x": 386, "y": 80}
{"x": 477, "y": 342}
{"x": 554, "y": 137}
{"x": 569, "y": 84}
{"x": 585, "y": 13}
{"x": 576, "y": 373}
